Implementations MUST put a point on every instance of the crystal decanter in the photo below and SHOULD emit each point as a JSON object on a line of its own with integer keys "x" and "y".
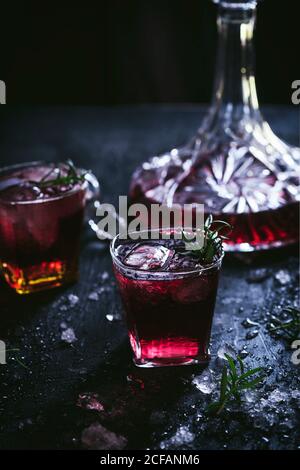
{"x": 235, "y": 165}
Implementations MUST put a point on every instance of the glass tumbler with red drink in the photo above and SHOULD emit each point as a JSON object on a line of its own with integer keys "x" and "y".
{"x": 41, "y": 213}
{"x": 168, "y": 294}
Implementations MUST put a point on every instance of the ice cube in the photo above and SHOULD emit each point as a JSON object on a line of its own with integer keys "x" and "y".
{"x": 73, "y": 300}
{"x": 193, "y": 290}
{"x": 105, "y": 276}
{"x": 93, "y": 296}
{"x": 204, "y": 382}
{"x": 18, "y": 191}
{"x": 68, "y": 336}
{"x": 282, "y": 277}
{"x": 148, "y": 257}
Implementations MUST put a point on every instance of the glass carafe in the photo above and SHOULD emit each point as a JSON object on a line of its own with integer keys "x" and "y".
{"x": 235, "y": 165}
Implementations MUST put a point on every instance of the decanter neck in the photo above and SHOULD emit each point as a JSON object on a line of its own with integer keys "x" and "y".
{"x": 234, "y": 79}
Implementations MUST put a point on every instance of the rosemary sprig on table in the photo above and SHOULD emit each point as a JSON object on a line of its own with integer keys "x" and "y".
{"x": 233, "y": 383}
{"x": 212, "y": 240}
{"x": 290, "y": 328}
{"x": 70, "y": 178}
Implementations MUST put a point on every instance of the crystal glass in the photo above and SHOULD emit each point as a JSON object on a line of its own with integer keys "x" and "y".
{"x": 40, "y": 228}
{"x": 168, "y": 299}
{"x": 235, "y": 165}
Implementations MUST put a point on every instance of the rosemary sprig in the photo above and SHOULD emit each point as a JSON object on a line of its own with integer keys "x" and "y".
{"x": 212, "y": 240}
{"x": 72, "y": 177}
{"x": 290, "y": 328}
{"x": 233, "y": 383}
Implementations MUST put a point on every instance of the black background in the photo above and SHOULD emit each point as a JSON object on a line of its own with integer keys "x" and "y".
{"x": 134, "y": 51}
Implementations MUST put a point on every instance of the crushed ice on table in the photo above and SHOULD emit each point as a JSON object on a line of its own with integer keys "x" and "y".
{"x": 283, "y": 277}
{"x": 247, "y": 323}
{"x": 68, "y": 336}
{"x": 73, "y": 299}
{"x": 100, "y": 287}
{"x": 205, "y": 382}
{"x": 226, "y": 349}
{"x": 182, "y": 436}
{"x": 251, "y": 396}
{"x": 113, "y": 315}
{"x": 277, "y": 396}
{"x": 93, "y": 296}
{"x": 252, "y": 334}
{"x": 273, "y": 409}
{"x": 104, "y": 276}
{"x": 258, "y": 275}
{"x": 148, "y": 257}
{"x": 90, "y": 401}
{"x": 97, "y": 437}
{"x": 67, "y": 303}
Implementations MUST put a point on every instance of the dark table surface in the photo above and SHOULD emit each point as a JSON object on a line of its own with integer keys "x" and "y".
{"x": 39, "y": 403}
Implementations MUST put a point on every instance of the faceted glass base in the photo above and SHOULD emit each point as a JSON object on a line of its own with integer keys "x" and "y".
{"x": 40, "y": 277}
{"x": 171, "y": 362}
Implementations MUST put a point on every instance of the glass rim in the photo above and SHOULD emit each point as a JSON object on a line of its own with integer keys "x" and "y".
{"x": 16, "y": 166}
{"x": 137, "y": 273}
{"x": 237, "y": 5}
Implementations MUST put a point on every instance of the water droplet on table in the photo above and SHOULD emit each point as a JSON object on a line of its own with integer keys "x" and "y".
{"x": 247, "y": 323}
{"x": 252, "y": 334}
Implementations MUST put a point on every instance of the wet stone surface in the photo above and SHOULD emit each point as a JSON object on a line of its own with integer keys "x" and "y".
{"x": 71, "y": 382}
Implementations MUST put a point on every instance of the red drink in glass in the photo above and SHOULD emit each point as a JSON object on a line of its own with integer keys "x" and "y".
{"x": 168, "y": 298}
{"x": 40, "y": 226}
